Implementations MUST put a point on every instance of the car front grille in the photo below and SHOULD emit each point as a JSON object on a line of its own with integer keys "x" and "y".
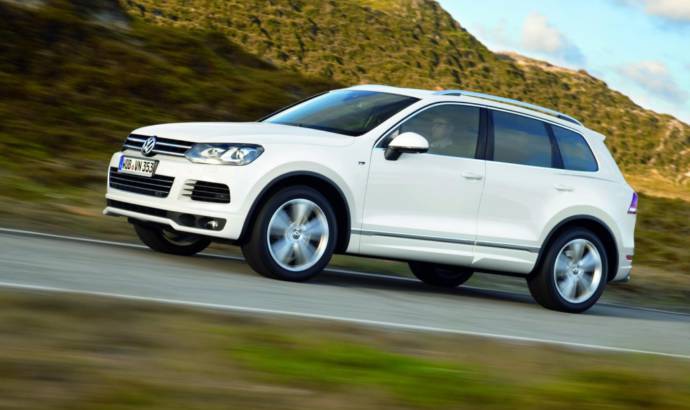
{"x": 163, "y": 146}
{"x": 206, "y": 191}
{"x": 157, "y": 185}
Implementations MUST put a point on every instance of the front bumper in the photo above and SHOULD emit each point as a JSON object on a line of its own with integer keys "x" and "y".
{"x": 176, "y": 209}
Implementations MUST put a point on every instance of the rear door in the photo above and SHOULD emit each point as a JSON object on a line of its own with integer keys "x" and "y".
{"x": 524, "y": 188}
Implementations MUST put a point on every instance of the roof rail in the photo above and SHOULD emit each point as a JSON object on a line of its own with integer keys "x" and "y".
{"x": 509, "y": 101}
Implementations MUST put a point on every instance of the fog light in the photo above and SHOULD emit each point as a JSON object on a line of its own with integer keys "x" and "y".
{"x": 209, "y": 223}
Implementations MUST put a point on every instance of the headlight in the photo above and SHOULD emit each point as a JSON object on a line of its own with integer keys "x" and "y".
{"x": 224, "y": 154}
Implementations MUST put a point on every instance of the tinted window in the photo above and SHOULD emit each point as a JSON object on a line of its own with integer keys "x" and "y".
{"x": 521, "y": 140}
{"x": 451, "y": 129}
{"x": 349, "y": 112}
{"x": 574, "y": 150}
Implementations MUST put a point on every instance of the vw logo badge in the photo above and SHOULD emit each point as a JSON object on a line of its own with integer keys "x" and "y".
{"x": 148, "y": 146}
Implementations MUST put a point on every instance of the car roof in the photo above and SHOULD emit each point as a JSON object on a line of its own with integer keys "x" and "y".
{"x": 481, "y": 99}
{"x": 411, "y": 92}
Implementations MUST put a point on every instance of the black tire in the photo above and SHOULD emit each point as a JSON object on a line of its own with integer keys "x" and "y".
{"x": 543, "y": 284}
{"x": 166, "y": 240}
{"x": 257, "y": 252}
{"x": 443, "y": 276}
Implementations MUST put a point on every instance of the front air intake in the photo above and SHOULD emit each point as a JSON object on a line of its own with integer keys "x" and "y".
{"x": 157, "y": 185}
{"x": 206, "y": 191}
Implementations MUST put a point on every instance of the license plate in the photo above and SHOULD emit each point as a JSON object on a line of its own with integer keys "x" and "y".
{"x": 137, "y": 166}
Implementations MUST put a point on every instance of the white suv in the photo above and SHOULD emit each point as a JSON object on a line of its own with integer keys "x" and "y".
{"x": 452, "y": 182}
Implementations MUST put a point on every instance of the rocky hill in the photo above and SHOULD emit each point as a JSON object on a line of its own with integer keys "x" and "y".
{"x": 77, "y": 75}
{"x": 416, "y": 43}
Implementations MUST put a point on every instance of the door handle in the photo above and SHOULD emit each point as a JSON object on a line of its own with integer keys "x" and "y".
{"x": 563, "y": 188}
{"x": 472, "y": 175}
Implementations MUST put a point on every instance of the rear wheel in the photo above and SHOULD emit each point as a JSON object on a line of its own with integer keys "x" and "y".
{"x": 293, "y": 236}
{"x": 166, "y": 240}
{"x": 440, "y": 275}
{"x": 573, "y": 274}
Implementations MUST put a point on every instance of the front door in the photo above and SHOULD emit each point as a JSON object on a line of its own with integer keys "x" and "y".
{"x": 424, "y": 206}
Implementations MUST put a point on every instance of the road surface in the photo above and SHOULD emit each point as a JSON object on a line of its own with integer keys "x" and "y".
{"x": 110, "y": 269}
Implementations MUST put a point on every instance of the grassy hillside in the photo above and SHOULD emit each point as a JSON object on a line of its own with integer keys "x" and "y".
{"x": 77, "y": 76}
{"x": 80, "y": 74}
{"x": 416, "y": 43}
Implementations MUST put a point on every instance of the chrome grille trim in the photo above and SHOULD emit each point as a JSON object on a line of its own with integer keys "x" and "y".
{"x": 164, "y": 146}
{"x": 168, "y": 144}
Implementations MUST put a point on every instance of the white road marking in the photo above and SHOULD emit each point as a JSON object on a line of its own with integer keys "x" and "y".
{"x": 70, "y": 238}
{"x": 364, "y": 322}
{"x": 333, "y": 270}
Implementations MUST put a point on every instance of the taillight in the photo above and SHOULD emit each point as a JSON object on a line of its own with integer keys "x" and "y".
{"x": 632, "y": 209}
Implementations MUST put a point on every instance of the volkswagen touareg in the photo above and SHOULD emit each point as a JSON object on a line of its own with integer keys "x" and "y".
{"x": 452, "y": 182}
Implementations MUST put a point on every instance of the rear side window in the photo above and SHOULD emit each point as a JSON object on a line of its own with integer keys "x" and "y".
{"x": 521, "y": 140}
{"x": 575, "y": 151}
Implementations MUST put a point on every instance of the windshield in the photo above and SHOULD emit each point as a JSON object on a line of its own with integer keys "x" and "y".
{"x": 346, "y": 112}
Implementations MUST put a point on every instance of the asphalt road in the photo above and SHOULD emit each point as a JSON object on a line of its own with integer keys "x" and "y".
{"x": 109, "y": 269}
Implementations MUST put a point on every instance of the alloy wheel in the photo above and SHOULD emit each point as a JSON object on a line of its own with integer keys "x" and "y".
{"x": 297, "y": 234}
{"x": 578, "y": 270}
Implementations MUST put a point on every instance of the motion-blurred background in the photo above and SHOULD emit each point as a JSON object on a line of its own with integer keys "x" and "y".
{"x": 77, "y": 75}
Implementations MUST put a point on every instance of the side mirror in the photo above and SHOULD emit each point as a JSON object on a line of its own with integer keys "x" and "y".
{"x": 407, "y": 142}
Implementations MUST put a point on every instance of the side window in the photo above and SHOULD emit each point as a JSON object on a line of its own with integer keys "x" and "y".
{"x": 450, "y": 128}
{"x": 576, "y": 154}
{"x": 521, "y": 140}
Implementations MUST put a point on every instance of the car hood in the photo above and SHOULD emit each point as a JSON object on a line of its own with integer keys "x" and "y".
{"x": 244, "y": 132}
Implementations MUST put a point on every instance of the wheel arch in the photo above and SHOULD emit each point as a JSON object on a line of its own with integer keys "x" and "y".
{"x": 312, "y": 179}
{"x": 597, "y": 226}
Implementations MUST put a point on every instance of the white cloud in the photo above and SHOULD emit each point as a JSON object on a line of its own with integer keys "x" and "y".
{"x": 655, "y": 78}
{"x": 540, "y": 36}
{"x": 497, "y": 37}
{"x": 535, "y": 37}
{"x": 678, "y": 10}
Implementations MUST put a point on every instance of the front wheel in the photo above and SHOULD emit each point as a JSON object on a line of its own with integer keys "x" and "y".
{"x": 573, "y": 274}
{"x": 440, "y": 275}
{"x": 294, "y": 235}
{"x": 166, "y": 240}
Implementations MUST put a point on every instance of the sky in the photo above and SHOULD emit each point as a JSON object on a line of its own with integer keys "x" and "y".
{"x": 638, "y": 47}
